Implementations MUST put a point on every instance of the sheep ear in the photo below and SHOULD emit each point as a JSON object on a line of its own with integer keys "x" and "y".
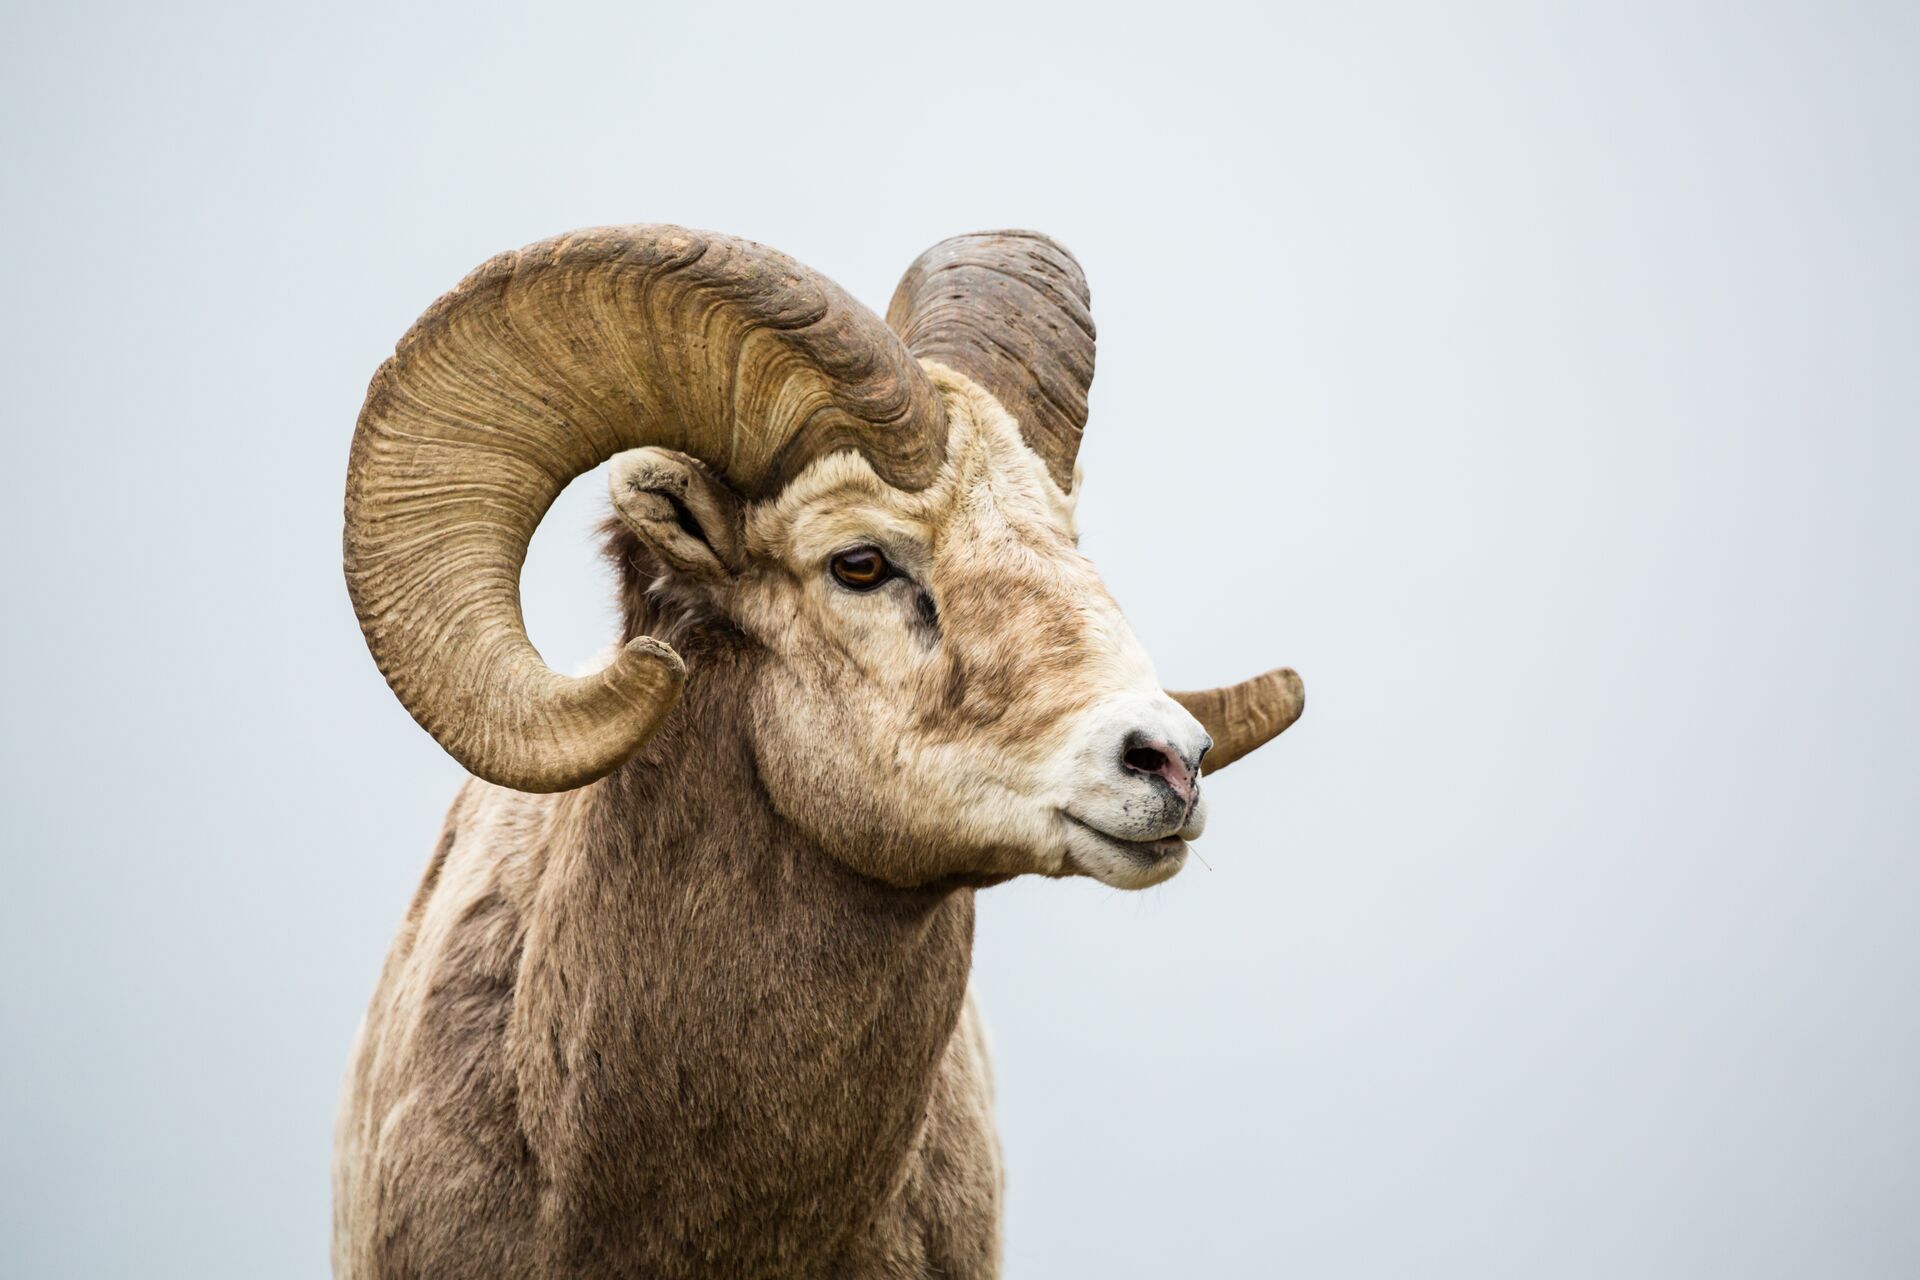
{"x": 683, "y": 512}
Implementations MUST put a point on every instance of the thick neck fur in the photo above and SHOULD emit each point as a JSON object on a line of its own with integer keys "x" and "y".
{"x": 721, "y": 1037}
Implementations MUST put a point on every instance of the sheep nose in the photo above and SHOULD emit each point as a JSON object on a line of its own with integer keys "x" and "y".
{"x": 1145, "y": 755}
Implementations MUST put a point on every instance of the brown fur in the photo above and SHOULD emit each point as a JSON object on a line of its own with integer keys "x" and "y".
{"x": 648, "y": 1029}
{"x": 708, "y": 1017}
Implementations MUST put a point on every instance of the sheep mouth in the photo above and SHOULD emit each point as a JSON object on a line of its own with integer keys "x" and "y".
{"x": 1145, "y": 850}
{"x": 1119, "y": 862}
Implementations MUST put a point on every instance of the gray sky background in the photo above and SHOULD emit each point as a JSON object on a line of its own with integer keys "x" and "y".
{"x": 1539, "y": 380}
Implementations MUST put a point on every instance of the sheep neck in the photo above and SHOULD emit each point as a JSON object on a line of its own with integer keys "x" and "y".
{"x": 724, "y": 1033}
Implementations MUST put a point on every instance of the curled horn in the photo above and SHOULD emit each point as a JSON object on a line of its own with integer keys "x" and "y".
{"x": 538, "y": 367}
{"x": 1243, "y": 716}
{"x": 1009, "y": 309}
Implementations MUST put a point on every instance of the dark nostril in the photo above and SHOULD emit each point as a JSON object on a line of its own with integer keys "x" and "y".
{"x": 1150, "y": 757}
{"x": 1146, "y": 760}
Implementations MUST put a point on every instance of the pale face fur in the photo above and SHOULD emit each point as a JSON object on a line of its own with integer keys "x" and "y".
{"x": 969, "y": 717}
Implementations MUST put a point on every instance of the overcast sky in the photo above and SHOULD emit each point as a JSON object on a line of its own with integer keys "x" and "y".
{"x": 1538, "y": 380}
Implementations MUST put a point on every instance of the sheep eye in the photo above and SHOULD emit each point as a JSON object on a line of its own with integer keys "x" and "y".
{"x": 861, "y": 569}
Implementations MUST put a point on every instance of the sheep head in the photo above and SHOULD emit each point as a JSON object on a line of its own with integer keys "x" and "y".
{"x": 942, "y": 688}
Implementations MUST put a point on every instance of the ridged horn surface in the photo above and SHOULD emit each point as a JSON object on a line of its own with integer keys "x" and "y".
{"x": 1247, "y": 715}
{"x": 538, "y": 367}
{"x": 1009, "y": 309}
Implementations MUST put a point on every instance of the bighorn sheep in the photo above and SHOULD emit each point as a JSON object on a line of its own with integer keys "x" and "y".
{"x": 684, "y": 989}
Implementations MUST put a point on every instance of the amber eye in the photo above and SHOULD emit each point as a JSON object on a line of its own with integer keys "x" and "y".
{"x": 861, "y": 569}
